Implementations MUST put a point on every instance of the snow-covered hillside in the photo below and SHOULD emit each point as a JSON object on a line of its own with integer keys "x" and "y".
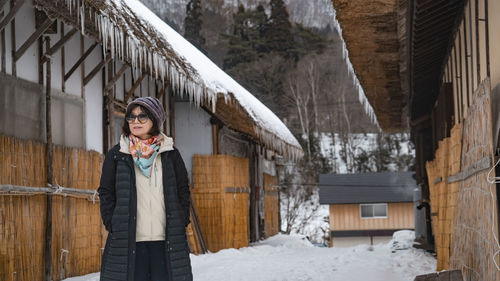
{"x": 293, "y": 258}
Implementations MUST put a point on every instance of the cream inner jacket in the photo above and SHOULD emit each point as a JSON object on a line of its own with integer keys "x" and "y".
{"x": 151, "y": 216}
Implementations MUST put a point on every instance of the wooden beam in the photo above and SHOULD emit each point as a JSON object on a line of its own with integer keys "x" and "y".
{"x": 80, "y": 60}
{"x": 96, "y": 69}
{"x": 20, "y": 52}
{"x": 59, "y": 44}
{"x": 134, "y": 87}
{"x": 117, "y": 76}
{"x": 12, "y": 13}
{"x": 162, "y": 91}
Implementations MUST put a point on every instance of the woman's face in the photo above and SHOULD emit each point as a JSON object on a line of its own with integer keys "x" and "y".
{"x": 138, "y": 129}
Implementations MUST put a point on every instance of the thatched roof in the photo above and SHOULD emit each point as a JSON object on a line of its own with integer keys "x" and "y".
{"x": 374, "y": 34}
{"x": 135, "y": 35}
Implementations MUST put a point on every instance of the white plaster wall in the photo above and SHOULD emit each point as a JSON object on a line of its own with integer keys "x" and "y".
{"x": 193, "y": 133}
{"x": 71, "y": 56}
{"x": 119, "y": 83}
{"x": 27, "y": 65}
{"x": 8, "y": 49}
{"x": 93, "y": 100}
{"x": 55, "y": 64}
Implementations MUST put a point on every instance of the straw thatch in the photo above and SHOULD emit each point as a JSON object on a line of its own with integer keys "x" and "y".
{"x": 374, "y": 33}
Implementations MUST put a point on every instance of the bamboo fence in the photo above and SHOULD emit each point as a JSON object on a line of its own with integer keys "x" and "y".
{"x": 463, "y": 202}
{"x": 77, "y": 232}
{"x": 220, "y": 191}
{"x": 475, "y": 245}
{"x": 271, "y": 205}
{"x": 443, "y": 195}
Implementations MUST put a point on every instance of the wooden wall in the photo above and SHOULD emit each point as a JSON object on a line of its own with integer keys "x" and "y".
{"x": 220, "y": 191}
{"x": 271, "y": 205}
{"x": 77, "y": 231}
{"x": 348, "y": 217}
{"x": 443, "y": 194}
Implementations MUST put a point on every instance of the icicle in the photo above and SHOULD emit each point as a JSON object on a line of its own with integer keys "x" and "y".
{"x": 82, "y": 17}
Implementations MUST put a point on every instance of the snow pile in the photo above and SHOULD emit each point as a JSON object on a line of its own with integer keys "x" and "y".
{"x": 288, "y": 241}
{"x": 403, "y": 239}
{"x": 293, "y": 258}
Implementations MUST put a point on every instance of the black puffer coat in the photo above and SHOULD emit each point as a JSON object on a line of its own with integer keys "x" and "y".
{"x": 118, "y": 199}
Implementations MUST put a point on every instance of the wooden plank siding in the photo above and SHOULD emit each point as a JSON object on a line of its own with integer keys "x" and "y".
{"x": 271, "y": 205}
{"x": 348, "y": 217}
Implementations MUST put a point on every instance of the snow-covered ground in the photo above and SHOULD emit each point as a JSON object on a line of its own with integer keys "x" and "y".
{"x": 293, "y": 258}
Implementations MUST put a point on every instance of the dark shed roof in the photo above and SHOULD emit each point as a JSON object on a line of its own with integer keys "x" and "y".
{"x": 384, "y": 187}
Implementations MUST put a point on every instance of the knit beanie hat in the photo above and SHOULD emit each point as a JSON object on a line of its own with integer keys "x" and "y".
{"x": 153, "y": 105}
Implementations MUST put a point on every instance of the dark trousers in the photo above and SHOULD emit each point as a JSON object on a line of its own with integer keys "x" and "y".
{"x": 150, "y": 262}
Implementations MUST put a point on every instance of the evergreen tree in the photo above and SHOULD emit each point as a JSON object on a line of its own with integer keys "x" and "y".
{"x": 240, "y": 47}
{"x": 193, "y": 24}
{"x": 279, "y": 30}
{"x": 247, "y": 42}
{"x": 307, "y": 41}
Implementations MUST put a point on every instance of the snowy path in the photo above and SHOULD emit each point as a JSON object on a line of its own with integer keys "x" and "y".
{"x": 289, "y": 258}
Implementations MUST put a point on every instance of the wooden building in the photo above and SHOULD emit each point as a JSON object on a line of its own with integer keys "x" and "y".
{"x": 443, "y": 59}
{"x": 367, "y": 208}
{"x": 67, "y": 70}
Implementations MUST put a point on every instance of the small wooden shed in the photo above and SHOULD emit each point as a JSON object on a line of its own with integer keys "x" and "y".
{"x": 367, "y": 208}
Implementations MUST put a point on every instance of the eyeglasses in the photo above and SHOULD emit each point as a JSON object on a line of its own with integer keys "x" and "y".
{"x": 143, "y": 118}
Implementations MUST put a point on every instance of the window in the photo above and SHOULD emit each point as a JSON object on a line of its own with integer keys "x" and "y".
{"x": 373, "y": 210}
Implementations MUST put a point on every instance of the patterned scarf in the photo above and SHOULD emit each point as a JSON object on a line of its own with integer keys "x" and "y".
{"x": 144, "y": 152}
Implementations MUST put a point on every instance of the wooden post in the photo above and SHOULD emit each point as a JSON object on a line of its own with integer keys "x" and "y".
{"x": 63, "y": 61}
{"x": 215, "y": 138}
{"x": 40, "y": 65}
{"x": 2, "y": 45}
{"x": 82, "y": 65}
{"x": 13, "y": 39}
{"x": 467, "y": 55}
{"x": 478, "y": 59}
{"x": 172, "y": 115}
{"x": 471, "y": 52}
{"x": 487, "y": 39}
{"x": 111, "y": 105}
{"x": 48, "y": 127}
{"x": 215, "y": 149}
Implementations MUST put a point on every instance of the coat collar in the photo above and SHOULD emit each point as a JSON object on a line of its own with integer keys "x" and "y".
{"x": 167, "y": 144}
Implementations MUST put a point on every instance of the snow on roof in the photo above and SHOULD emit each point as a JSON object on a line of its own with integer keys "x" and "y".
{"x": 136, "y": 35}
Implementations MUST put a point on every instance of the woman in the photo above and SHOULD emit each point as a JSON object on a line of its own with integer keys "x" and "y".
{"x": 144, "y": 197}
